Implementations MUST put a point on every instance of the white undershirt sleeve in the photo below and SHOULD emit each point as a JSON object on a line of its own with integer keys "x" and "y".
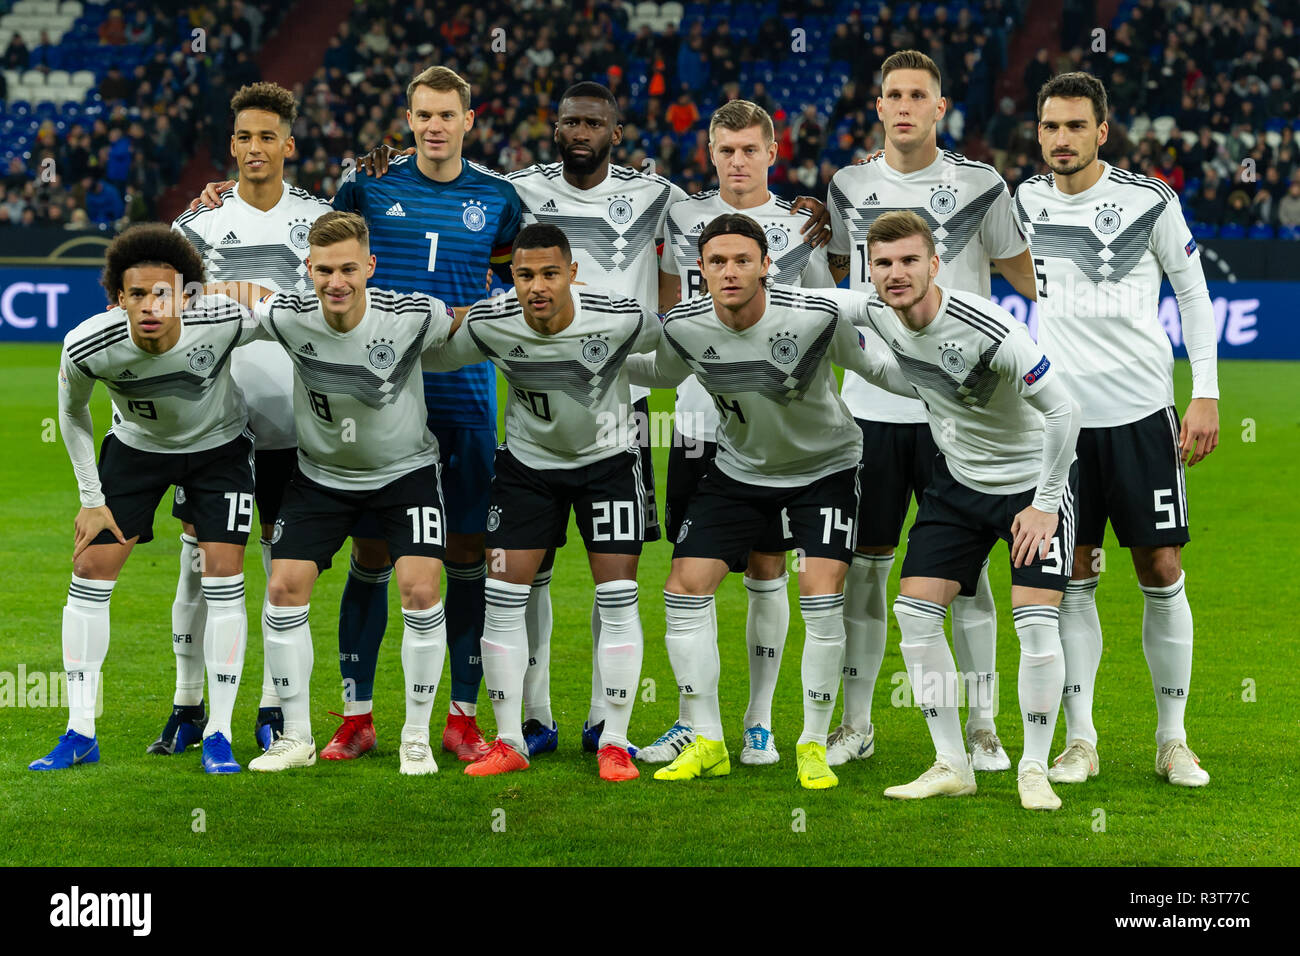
{"x": 78, "y": 430}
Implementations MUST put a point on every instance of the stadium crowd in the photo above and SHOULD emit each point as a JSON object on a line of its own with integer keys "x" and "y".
{"x": 1204, "y": 96}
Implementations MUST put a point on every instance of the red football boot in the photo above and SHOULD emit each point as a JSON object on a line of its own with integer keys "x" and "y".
{"x": 350, "y": 741}
{"x": 462, "y": 737}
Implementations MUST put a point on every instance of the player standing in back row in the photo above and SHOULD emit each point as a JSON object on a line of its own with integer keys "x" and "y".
{"x": 967, "y": 206}
{"x": 437, "y": 221}
{"x": 257, "y": 234}
{"x": 1101, "y": 239}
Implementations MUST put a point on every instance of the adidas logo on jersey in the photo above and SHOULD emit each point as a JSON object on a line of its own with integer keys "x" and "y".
{"x": 230, "y": 239}
{"x": 871, "y": 200}
{"x": 710, "y": 354}
{"x": 549, "y": 206}
{"x": 517, "y": 352}
{"x": 307, "y": 349}
{"x": 1042, "y": 216}
{"x": 698, "y": 227}
{"x": 395, "y": 210}
{"x": 126, "y": 375}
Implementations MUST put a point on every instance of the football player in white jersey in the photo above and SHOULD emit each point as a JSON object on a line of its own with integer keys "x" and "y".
{"x": 258, "y": 234}
{"x": 788, "y": 452}
{"x": 178, "y": 419}
{"x": 742, "y": 148}
{"x": 969, "y": 209}
{"x": 1005, "y": 426}
{"x": 570, "y": 444}
{"x": 1102, "y": 238}
{"x": 363, "y": 448}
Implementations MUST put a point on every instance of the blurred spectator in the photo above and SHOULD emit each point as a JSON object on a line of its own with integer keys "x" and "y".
{"x": 140, "y": 30}
{"x": 683, "y": 114}
{"x": 112, "y": 32}
{"x": 1238, "y": 212}
{"x": 104, "y": 203}
{"x": 1288, "y": 209}
{"x": 114, "y": 86}
{"x": 1169, "y": 171}
{"x": 16, "y": 54}
{"x": 1037, "y": 72}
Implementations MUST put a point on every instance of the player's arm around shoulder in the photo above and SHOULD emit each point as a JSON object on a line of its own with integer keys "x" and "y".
{"x": 662, "y": 368}
{"x": 857, "y": 348}
{"x": 448, "y": 344}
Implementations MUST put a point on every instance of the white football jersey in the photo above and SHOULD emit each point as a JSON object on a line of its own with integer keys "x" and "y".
{"x": 183, "y": 400}
{"x": 614, "y": 228}
{"x": 969, "y": 210}
{"x": 973, "y": 366}
{"x": 240, "y": 243}
{"x": 1102, "y": 253}
{"x": 569, "y": 402}
{"x": 358, "y": 396}
{"x": 783, "y": 421}
{"x": 794, "y": 262}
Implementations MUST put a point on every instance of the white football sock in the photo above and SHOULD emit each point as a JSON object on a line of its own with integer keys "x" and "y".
{"x": 692, "y": 641}
{"x": 823, "y": 658}
{"x": 933, "y": 675}
{"x": 269, "y": 697}
{"x": 290, "y": 651}
{"x": 505, "y": 657}
{"x": 537, "y": 681}
{"x": 621, "y": 648}
{"x": 188, "y": 613}
{"x": 85, "y": 645}
{"x": 766, "y": 624}
{"x": 596, "y": 709}
{"x": 1042, "y": 672}
{"x": 424, "y": 647}
{"x": 225, "y": 639}
{"x": 1081, "y": 644}
{"x": 1167, "y": 643}
{"x": 865, "y": 629}
{"x": 975, "y": 645}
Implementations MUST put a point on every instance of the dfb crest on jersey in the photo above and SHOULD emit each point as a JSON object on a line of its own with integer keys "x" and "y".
{"x": 298, "y": 230}
{"x": 475, "y": 215}
{"x": 180, "y": 495}
{"x": 784, "y": 349}
{"x": 1107, "y": 220}
{"x": 279, "y": 530}
{"x": 943, "y": 202}
{"x": 381, "y": 354}
{"x": 951, "y": 358}
{"x": 684, "y": 531}
{"x": 620, "y": 210}
{"x": 777, "y": 239}
{"x": 594, "y": 350}
{"x": 494, "y": 518}
{"x": 201, "y": 359}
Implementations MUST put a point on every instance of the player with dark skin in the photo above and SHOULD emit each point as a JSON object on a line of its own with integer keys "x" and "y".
{"x": 586, "y": 131}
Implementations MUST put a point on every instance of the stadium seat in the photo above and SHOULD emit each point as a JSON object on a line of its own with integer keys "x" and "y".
{"x": 1272, "y": 138}
{"x": 70, "y": 8}
{"x": 1289, "y": 232}
{"x": 1231, "y": 230}
{"x": 1163, "y": 126}
{"x": 1247, "y": 139}
{"x": 1204, "y": 230}
{"x": 1260, "y": 231}
{"x": 33, "y": 78}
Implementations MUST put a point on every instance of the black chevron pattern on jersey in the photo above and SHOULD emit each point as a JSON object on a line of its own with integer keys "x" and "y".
{"x": 596, "y": 236}
{"x": 961, "y": 227}
{"x": 275, "y": 261}
{"x": 571, "y": 377}
{"x": 357, "y": 381}
{"x": 760, "y": 376}
{"x": 1083, "y": 247}
{"x": 183, "y": 383}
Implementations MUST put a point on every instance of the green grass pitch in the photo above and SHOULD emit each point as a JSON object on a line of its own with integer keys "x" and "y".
{"x": 132, "y": 809}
